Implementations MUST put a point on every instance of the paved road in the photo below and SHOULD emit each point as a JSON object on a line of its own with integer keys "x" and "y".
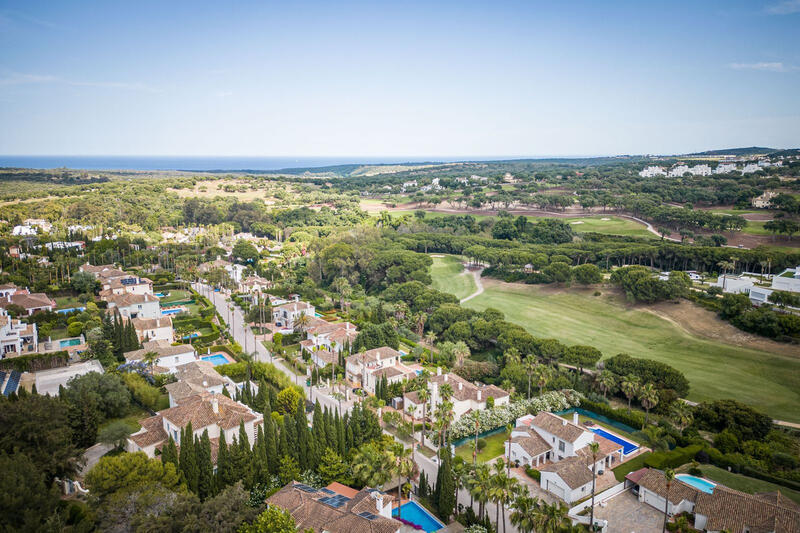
{"x": 477, "y": 275}
{"x": 92, "y": 455}
{"x": 245, "y": 337}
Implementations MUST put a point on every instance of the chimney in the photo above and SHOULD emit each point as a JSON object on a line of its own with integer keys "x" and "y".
{"x": 563, "y": 422}
{"x": 575, "y": 418}
{"x": 479, "y": 395}
{"x": 205, "y": 383}
{"x": 214, "y": 404}
{"x": 378, "y": 501}
{"x": 461, "y": 386}
{"x": 445, "y": 378}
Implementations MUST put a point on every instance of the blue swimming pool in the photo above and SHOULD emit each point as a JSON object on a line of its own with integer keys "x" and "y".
{"x": 216, "y": 359}
{"x": 318, "y": 314}
{"x": 160, "y": 294}
{"x": 416, "y": 514}
{"x": 627, "y": 447}
{"x": 698, "y": 483}
{"x": 63, "y": 343}
{"x": 171, "y": 311}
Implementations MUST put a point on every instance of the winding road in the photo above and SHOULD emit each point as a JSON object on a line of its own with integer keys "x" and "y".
{"x": 477, "y": 275}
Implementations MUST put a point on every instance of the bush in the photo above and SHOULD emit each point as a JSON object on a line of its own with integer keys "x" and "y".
{"x": 634, "y": 419}
{"x": 533, "y": 473}
{"x": 673, "y": 458}
{"x": 481, "y": 444}
{"x": 35, "y": 362}
{"x": 74, "y": 329}
{"x": 144, "y": 393}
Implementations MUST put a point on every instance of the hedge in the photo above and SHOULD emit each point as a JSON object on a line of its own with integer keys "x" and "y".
{"x": 673, "y": 458}
{"x": 266, "y": 371}
{"x": 35, "y": 362}
{"x": 533, "y": 473}
{"x": 634, "y": 419}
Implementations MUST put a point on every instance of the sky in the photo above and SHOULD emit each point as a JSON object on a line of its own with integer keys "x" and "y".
{"x": 393, "y": 79}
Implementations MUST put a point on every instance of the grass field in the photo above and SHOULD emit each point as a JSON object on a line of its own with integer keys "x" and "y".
{"x": 745, "y": 484}
{"x": 449, "y": 276}
{"x": 769, "y": 382}
{"x": 495, "y": 447}
{"x": 756, "y": 227}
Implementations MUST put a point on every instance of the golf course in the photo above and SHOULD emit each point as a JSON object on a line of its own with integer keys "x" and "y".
{"x": 767, "y": 381}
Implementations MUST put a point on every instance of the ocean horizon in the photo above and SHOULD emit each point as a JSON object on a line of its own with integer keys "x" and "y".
{"x": 223, "y": 163}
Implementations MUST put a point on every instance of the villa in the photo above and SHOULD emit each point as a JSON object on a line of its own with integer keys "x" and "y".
{"x": 652, "y": 171}
{"x": 466, "y": 396}
{"x": 30, "y": 302}
{"x": 135, "y": 305}
{"x": 367, "y": 368}
{"x": 763, "y": 201}
{"x": 559, "y": 449}
{"x": 328, "y": 337}
{"x": 207, "y": 411}
{"x": 716, "y": 507}
{"x": 338, "y": 509}
{"x": 16, "y": 337}
{"x": 154, "y": 329}
{"x": 286, "y": 315}
{"x": 169, "y": 357}
{"x": 194, "y": 378}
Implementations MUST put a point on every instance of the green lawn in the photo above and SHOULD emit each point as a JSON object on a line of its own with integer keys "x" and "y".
{"x": 630, "y": 466}
{"x": 66, "y": 302}
{"x": 495, "y": 447}
{"x": 449, "y": 276}
{"x": 767, "y": 381}
{"x": 132, "y": 417}
{"x": 756, "y": 227}
{"x": 745, "y": 484}
{"x": 176, "y": 295}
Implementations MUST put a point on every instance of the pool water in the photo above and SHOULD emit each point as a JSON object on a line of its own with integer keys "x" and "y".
{"x": 170, "y": 311}
{"x": 318, "y": 314}
{"x": 216, "y": 359}
{"x": 697, "y": 482}
{"x": 627, "y": 447}
{"x": 69, "y": 342}
{"x": 416, "y": 514}
{"x": 160, "y": 294}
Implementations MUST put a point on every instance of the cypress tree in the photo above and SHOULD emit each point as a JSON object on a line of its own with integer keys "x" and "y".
{"x": 330, "y": 431}
{"x": 340, "y": 436}
{"x": 318, "y": 426}
{"x": 271, "y": 445}
{"x": 260, "y": 469}
{"x": 205, "y": 470}
{"x": 283, "y": 443}
{"x": 225, "y": 392}
{"x": 242, "y": 455}
{"x": 224, "y": 477}
{"x": 301, "y": 423}
{"x": 188, "y": 458}
{"x": 169, "y": 453}
{"x": 262, "y": 399}
{"x": 445, "y": 486}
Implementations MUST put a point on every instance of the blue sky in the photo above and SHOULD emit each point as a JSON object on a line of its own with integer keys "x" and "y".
{"x": 397, "y": 79}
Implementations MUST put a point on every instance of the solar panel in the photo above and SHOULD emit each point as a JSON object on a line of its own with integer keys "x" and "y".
{"x": 305, "y": 488}
{"x": 334, "y": 501}
{"x": 367, "y": 515}
{"x": 327, "y": 491}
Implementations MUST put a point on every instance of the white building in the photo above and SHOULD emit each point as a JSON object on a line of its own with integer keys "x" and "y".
{"x": 285, "y": 316}
{"x": 788, "y": 280}
{"x": 206, "y": 411}
{"x": 735, "y": 284}
{"x": 701, "y": 170}
{"x": 135, "y": 305}
{"x": 369, "y": 367}
{"x": 322, "y": 335}
{"x": 465, "y": 397}
{"x": 65, "y": 245}
{"x": 725, "y": 168}
{"x": 678, "y": 171}
{"x": 16, "y": 337}
{"x": 169, "y": 357}
{"x": 30, "y": 302}
{"x": 23, "y": 231}
{"x": 750, "y": 168}
{"x": 763, "y": 201}
{"x": 154, "y": 329}
{"x": 652, "y": 171}
{"x": 197, "y": 377}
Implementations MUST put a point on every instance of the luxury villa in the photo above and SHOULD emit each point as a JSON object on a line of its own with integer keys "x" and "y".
{"x": 367, "y": 368}
{"x": 466, "y": 396}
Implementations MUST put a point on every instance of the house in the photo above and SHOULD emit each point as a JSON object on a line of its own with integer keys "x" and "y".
{"x": 725, "y": 168}
{"x": 330, "y": 337}
{"x": 338, "y": 509}
{"x": 717, "y": 508}
{"x": 23, "y": 231}
{"x": 169, "y": 357}
{"x": 65, "y": 245}
{"x": 194, "y": 378}
{"x": 466, "y": 396}
{"x": 16, "y": 337}
{"x": 126, "y": 284}
{"x": 560, "y": 450}
{"x": 788, "y": 280}
{"x": 701, "y": 170}
{"x": 30, "y": 302}
{"x": 135, "y": 305}
{"x": 154, "y": 329}
{"x": 95, "y": 270}
{"x": 286, "y": 315}
{"x": 369, "y": 367}
{"x": 678, "y": 171}
{"x": 763, "y": 201}
{"x": 750, "y": 168}
{"x": 252, "y": 284}
{"x": 735, "y": 284}
{"x": 207, "y": 411}
{"x": 651, "y": 172}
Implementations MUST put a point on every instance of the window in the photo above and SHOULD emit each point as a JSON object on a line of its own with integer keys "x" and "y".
{"x": 561, "y": 446}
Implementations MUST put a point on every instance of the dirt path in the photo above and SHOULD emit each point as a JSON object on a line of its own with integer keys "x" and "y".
{"x": 477, "y": 275}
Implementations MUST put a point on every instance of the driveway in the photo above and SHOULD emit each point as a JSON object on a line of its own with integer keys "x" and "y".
{"x": 625, "y": 514}
{"x": 92, "y": 456}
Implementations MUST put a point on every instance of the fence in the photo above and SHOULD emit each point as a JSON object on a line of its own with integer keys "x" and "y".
{"x": 601, "y": 418}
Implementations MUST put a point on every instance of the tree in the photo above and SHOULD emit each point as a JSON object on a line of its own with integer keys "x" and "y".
{"x": 245, "y": 251}
{"x": 332, "y": 467}
{"x": 129, "y": 470}
{"x": 372, "y": 465}
{"x": 116, "y": 434}
{"x": 445, "y": 485}
{"x": 587, "y": 274}
{"x": 522, "y": 513}
{"x": 594, "y": 447}
{"x": 582, "y": 356}
{"x": 558, "y": 272}
{"x": 273, "y": 520}
{"x": 648, "y": 396}
{"x": 288, "y": 470}
{"x": 682, "y": 413}
{"x": 607, "y": 382}
{"x": 402, "y": 468}
{"x": 630, "y": 386}
{"x": 83, "y": 283}
{"x": 530, "y": 367}
{"x": 108, "y": 390}
{"x": 287, "y": 401}
{"x": 669, "y": 475}
{"x": 27, "y": 498}
{"x": 655, "y": 438}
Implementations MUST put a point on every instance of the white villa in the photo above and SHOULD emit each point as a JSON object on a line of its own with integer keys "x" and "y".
{"x": 169, "y": 357}
{"x": 367, "y": 368}
{"x": 678, "y": 171}
{"x": 154, "y": 329}
{"x": 559, "y": 449}
{"x": 10, "y": 294}
{"x": 763, "y": 201}
{"x": 652, "y": 171}
{"x": 135, "y": 305}
{"x": 207, "y": 411}
{"x": 284, "y": 316}
{"x": 329, "y": 337}
{"x": 194, "y": 378}
{"x": 725, "y": 168}
{"x": 16, "y": 337}
{"x": 466, "y": 396}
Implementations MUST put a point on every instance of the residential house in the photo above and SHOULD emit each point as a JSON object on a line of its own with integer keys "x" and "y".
{"x": 559, "y": 449}
{"x": 30, "y": 302}
{"x": 135, "y": 305}
{"x": 285, "y": 316}
{"x": 254, "y": 284}
{"x": 367, "y": 368}
{"x": 718, "y": 508}
{"x": 169, "y": 357}
{"x": 725, "y": 168}
{"x": 701, "y": 170}
{"x": 154, "y": 329}
{"x": 678, "y": 171}
{"x": 466, "y": 396}
{"x": 338, "y": 509}
{"x": 16, "y": 337}
{"x": 196, "y": 377}
{"x": 763, "y": 201}
{"x": 322, "y": 335}
{"x": 652, "y": 171}
{"x": 65, "y": 245}
{"x": 750, "y": 168}
{"x": 207, "y": 411}
{"x": 735, "y": 284}
{"x": 788, "y": 280}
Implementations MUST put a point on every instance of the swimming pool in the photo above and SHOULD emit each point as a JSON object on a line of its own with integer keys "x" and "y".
{"x": 318, "y": 314}
{"x": 416, "y": 514}
{"x": 627, "y": 447}
{"x": 63, "y": 343}
{"x": 698, "y": 483}
{"x": 160, "y": 294}
{"x": 171, "y": 311}
{"x": 191, "y": 336}
{"x": 70, "y": 310}
{"x": 216, "y": 359}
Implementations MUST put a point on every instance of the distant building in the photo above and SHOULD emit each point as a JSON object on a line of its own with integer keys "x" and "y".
{"x": 725, "y": 168}
{"x": 763, "y": 201}
{"x": 750, "y": 168}
{"x": 285, "y": 316}
{"x": 678, "y": 171}
{"x": 701, "y": 170}
{"x": 652, "y": 171}
{"x": 788, "y": 280}
{"x": 16, "y": 337}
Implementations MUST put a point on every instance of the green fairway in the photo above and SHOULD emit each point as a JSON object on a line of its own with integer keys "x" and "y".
{"x": 746, "y": 484}
{"x": 449, "y": 276}
{"x": 767, "y": 381}
{"x": 756, "y": 227}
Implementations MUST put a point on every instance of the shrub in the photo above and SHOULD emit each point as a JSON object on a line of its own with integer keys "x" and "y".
{"x": 481, "y": 444}
{"x": 533, "y": 473}
{"x": 144, "y": 393}
{"x": 74, "y": 329}
{"x": 673, "y": 458}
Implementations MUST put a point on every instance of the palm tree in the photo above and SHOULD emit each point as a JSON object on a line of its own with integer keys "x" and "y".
{"x": 461, "y": 352}
{"x": 669, "y": 475}
{"x": 512, "y": 357}
{"x": 530, "y": 367}
{"x": 403, "y": 467}
{"x": 523, "y": 511}
{"x": 496, "y": 489}
{"x": 648, "y": 396}
{"x": 607, "y": 382}
{"x": 630, "y": 386}
{"x": 151, "y": 358}
{"x": 373, "y": 466}
{"x": 543, "y": 374}
{"x": 480, "y": 483}
{"x": 682, "y": 413}
{"x": 302, "y": 322}
{"x": 594, "y": 447}
{"x": 655, "y": 438}
{"x": 725, "y": 266}
{"x": 551, "y": 518}
{"x": 424, "y": 395}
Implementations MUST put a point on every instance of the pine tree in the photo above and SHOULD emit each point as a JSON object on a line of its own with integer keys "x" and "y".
{"x": 205, "y": 469}
{"x": 169, "y": 453}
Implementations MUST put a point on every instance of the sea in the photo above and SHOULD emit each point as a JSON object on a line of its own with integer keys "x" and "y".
{"x": 212, "y": 163}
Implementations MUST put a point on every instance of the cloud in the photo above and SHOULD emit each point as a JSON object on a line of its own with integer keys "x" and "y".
{"x": 786, "y": 7}
{"x": 769, "y": 66}
{"x": 25, "y": 79}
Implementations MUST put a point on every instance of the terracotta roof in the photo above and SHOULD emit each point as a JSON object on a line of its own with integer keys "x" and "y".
{"x": 573, "y": 470}
{"x": 730, "y": 509}
{"x": 654, "y": 481}
{"x": 326, "y": 356}
{"x": 412, "y": 396}
{"x": 392, "y": 371}
{"x": 636, "y": 475}
{"x": 162, "y": 351}
{"x": 152, "y": 323}
{"x": 30, "y": 301}
{"x": 374, "y": 355}
{"x": 309, "y": 512}
{"x": 152, "y": 432}
{"x": 560, "y": 427}
{"x": 293, "y": 306}
{"x": 467, "y": 390}
{"x": 533, "y": 444}
{"x": 95, "y": 269}
{"x": 124, "y": 300}
{"x": 198, "y": 409}
{"x": 193, "y": 378}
